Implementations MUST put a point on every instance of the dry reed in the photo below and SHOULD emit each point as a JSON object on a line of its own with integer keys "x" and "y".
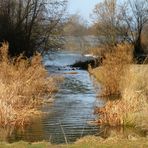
{"x": 130, "y": 80}
{"x": 132, "y": 108}
{"x": 114, "y": 61}
{"x": 23, "y": 83}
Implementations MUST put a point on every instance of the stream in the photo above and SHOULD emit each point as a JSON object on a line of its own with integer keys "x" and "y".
{"x": 68, "y": 116}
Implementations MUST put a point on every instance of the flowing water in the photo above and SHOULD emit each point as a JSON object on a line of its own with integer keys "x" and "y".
{"x": 68, "y": 116}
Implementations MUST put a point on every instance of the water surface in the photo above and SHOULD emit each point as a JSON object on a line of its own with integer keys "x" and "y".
{"x": 67, "y": 118}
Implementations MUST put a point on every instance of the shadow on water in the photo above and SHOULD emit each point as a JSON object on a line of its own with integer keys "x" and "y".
{"x": 67, "y": 117}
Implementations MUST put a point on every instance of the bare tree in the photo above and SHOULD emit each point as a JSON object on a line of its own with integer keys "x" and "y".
{"x": 75, "y": 26}
{"x": 29, "y": 25}
{"x": 125, "y": 21}
{"x": 108, "y": 21}
{"x": 135, "y": 16}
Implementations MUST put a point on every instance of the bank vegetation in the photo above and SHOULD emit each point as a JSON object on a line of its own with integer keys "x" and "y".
{"x": 23, "y": 84}
{"x": 125, "y": 85}
{"x": 123, "y": 81}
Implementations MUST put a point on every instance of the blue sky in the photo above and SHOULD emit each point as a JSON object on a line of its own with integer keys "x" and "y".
{"x": 82, "y": 7}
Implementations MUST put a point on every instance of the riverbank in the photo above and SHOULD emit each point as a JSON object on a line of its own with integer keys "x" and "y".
{"x": 131, "y": 108}
{"x": 121, "y": 77}
{"x": 71, "y": 110}
{"x": 87, "y": 142}
{"x": 23, "y": 85}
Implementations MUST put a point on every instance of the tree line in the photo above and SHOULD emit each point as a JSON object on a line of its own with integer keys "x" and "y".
{"x": 37, "y": 25}
{"x": 114, "y": 21}
{"x": 126, "y": 20}
{"x": 31, "y": 25}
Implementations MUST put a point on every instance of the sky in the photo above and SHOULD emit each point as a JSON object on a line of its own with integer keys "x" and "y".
{"x": 82, "y": 7}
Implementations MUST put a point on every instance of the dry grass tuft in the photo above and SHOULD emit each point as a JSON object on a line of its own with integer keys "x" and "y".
{"x": 134, "y": 88}
{"x": 132, "y": 108}
{"x": 118, "y": 75}
{"x": 113, "y": 65}
{"x": 23, "y": 83}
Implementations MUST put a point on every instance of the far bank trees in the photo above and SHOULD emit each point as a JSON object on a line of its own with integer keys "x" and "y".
{"x": 75, "y": 25}
{"x": 121, "y": 22}
{"x": 30, "y": 25}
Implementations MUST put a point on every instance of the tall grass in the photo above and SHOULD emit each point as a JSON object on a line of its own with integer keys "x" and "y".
{"x": 23, "y": 83}
{"x": 132, "y": 108}
{"x": 119, "y": 75}
{"x": 134, "y": 88}
{"x": 112, "y": 68}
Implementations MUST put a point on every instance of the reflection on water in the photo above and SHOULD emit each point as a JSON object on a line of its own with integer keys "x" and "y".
{"x": 69, "y": 114}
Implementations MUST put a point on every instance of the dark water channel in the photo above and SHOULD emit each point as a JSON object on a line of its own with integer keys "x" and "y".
{"x": 68, "y": 116}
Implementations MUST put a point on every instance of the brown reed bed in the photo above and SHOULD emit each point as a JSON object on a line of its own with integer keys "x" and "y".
{"x": 118, "y": 75}
{"x": 23, "y": 84}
